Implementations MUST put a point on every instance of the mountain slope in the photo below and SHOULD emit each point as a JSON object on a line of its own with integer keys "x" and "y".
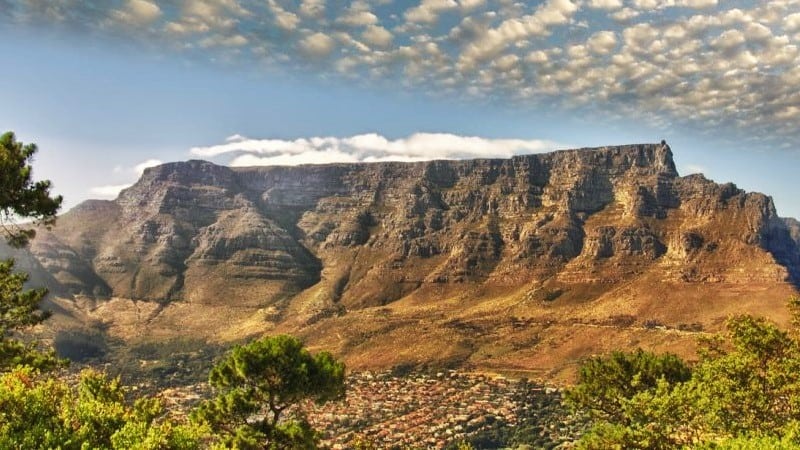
{"x": 441, "y": 258}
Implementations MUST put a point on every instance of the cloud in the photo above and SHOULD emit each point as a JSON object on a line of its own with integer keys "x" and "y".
{"x": 317, "y": 45}
{"x": 722, "y": 67}
{"x": 368, "y": 148}
{"x": 605, "y": 4}
{"x": 139, "y": 168}
{"x": 602, "y": 42}
{"x": 138, "y": 12}
{"x": 377, "y": 36}
{"x": 108, "y": 191}
{"x": 314, "y": 9}
{"x": 112, "y": 190}
{"x": 689, "y": 169}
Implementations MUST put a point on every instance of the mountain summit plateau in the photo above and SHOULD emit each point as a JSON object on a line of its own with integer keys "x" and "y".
{"x": 523, "y": 264}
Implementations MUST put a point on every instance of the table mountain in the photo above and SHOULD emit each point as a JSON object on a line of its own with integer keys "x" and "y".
{"x": 609, "y": 235}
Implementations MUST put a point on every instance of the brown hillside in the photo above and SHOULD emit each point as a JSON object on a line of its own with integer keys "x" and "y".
{"x": 523, "y": 264}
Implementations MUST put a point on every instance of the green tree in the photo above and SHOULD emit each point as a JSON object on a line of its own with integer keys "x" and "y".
{"x": 749, "y": 385}
{"x": 19, "y": 309}
{"x": 743, "y": 393}
{"x": 43, "y": 411}
{"x": 607, "y": 383}
{"x": 258, "y": 382}
{"x": 20, "y": 196}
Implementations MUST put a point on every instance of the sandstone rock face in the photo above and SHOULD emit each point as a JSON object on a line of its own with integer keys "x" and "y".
{"x": 368, "y": 234}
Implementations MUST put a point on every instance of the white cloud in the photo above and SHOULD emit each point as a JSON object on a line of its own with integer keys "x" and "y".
{"x": 493, "y": 41}
{"x": 729, "y": 39}
{"x": 428, "y": 11}
{"x": 698, "y": 4}
{"x": 688, "y": 169}
{"x": 356, "y": 18}
{"x": 625, "y": 15}
{"x": 602, "y": 42}
{"x": 108, "y": 191}
{"x": 138, "y": 12}
{"x": 139, "y": 168}
{"x": 377, "y": 36}
{"x": 123, "y": 173}
{"x": 369, "y": 148}
{"x": 729, "y": 66}
{"x": 317, "y": 45}
{"x": 792, "y": 22}
{"x": 605, "y": 4}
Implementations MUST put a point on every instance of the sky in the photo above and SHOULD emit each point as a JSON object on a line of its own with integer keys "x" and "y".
{"x": 108, "y": 88}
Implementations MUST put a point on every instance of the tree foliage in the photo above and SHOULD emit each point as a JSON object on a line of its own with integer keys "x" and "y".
{"x": 43, "y": 411}
{"x": 606, "y": 384}
{"x": 19, "y": 309}
{"x": 20, "y": 196}
{"x": 743, "y": 393}
{"x": 258, "y": 382}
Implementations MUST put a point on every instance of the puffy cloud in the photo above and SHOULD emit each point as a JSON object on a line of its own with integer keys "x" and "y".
{"x": 516, "y": 30}
{"x": 428, "y": 11}
{"x": 109, "y": 191}
{"x": 138, "y": 12}
{"x": 139, "y": 168}
{"x": 792, "y": 22}
{"x": 605, "y": 4}
{"x": 377, "y": 36}
{"x": 625, "y": 15}
{"x": 698, "y": 4}
{"x": 317, "y": 45}
{"x": 602, "y": 42}
{"x": 729, "y": 39}
{"x": 729, "y": 66}
{"x": 358, "y": 18}
{"x": 368, "y": 148}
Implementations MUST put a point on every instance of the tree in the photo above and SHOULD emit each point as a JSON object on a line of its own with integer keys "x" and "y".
{"x": 42, "y": 411}
{"x": 743, "y": 393}
{"x": 749, "y": 384}
{"x": 607, "y": 382}
{"x": 20, "y": 196}
{"x": 258, "y": 382}
{"x": 19, "y": 309}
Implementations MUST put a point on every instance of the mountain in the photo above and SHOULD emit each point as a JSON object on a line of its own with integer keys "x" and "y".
{"x": 525, "y": 263}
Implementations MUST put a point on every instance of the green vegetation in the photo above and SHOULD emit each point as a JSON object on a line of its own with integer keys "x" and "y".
{"x": 41, "y": 412}
{"x": 744, "y": 392}
{"x": 258, "y": 382}
{"x": 20, "y": 196}
{"x": 19, "y": 310}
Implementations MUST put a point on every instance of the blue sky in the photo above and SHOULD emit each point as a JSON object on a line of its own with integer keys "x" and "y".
{"x": 106, "y": 88}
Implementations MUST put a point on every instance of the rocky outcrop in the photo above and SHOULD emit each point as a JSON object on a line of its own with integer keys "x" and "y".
{"x": 369, "y": 234}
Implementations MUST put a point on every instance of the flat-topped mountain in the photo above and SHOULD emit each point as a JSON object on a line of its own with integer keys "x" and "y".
{"x": 434, "y": 257}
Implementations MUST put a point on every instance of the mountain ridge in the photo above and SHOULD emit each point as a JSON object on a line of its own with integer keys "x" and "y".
{"x": 586, "y": 235}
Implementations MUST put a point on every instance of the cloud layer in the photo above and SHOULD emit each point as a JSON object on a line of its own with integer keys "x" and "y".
{"x": 112, "y": 190}
{"x": 731, "y": 66}
{"x": 367, "y": 148}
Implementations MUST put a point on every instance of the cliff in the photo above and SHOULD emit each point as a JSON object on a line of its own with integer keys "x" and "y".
{"x": 306, "y": 243}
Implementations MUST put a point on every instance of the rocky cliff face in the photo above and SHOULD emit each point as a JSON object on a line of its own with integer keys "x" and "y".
{"x": 369, "y": 234}
{"x": 526, "y": 263}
